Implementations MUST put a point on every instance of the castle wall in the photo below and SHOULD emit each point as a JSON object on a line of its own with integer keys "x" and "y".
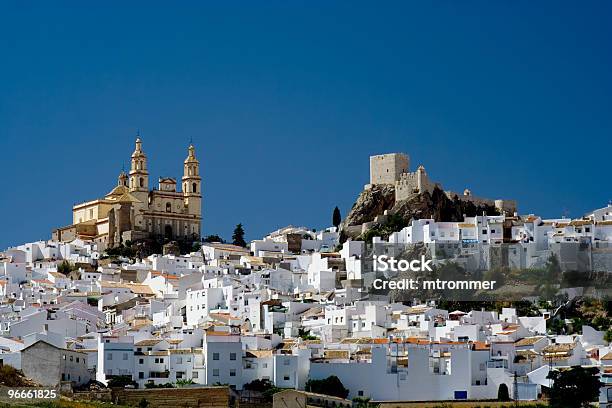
{"x": 387, "y": 168}
{"x": 411, "y": 183}
{"x": 406, "y": 186}
{"x": 502, "y": 205}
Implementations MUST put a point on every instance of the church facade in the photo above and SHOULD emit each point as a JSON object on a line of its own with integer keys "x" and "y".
{"x": 131, "y": 211}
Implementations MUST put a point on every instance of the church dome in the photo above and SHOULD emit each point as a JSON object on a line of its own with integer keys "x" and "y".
{"x": 118, "y": 191}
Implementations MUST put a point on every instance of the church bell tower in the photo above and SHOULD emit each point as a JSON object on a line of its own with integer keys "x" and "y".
{"x": 139, "y": 176}
{"x": 192, "y": 181}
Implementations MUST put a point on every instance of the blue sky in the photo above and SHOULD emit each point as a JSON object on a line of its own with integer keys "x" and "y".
{"x": 285, "y": 101}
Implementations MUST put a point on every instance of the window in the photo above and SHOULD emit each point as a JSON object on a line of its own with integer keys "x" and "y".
{"x": 140, "y": 375}
{"x": 215, "y": 372}
{"x": 141, "y": 361}
{"x": 195, "y": 188}
{"x": 492, "y": 231}
{"x": 77, "y": 360}
{"x": 360, "y": 393}
{"x": 194, "y": 374}
{"x": 232, "y": 372}
{"x": 232, "y": 356}
{"x": 215, "y": 356}
{"x": 168, "y": 207}
{"x": 72, "y": 358}
{"x": 286, "y": 378}
{"x": 484, "y": 232}
{"x": 141, "y": 182}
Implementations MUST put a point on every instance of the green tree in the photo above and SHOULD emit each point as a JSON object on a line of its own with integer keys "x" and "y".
{"x": 608, "y": 336}
{"x": 576, "y": 387}
{"x": 336, "y": 217}
{"x": 166, "y": 385}
{"x": 259, "y": 385}
{"x": 369, "y": 234}
{"x": 183, "y": 382}
{"x": 214, "y": 238}
{"x": 238, "y": 236}
{"x": 363, "y": 402}
{"x": 120, "y": 381}
{"x": 328, "y": 386}
{"x": 65, "y": 267}
{"x": 502, "y": 392}
{"x": 305, "y": 335}
{"x": 555, "y": 326}
{"x": 601, "y": 322}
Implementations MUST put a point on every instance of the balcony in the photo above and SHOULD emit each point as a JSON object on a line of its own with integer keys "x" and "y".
{"x": 159, "y": 374}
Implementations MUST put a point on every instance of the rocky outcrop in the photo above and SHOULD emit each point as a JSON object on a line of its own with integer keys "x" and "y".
{"x": 373, "y": 203}
{"x": 370, "y": 203}
{"x": 439, "y": 207}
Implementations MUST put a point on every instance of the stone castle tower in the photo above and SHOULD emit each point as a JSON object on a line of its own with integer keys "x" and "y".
{"x": 393, "y": 169}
